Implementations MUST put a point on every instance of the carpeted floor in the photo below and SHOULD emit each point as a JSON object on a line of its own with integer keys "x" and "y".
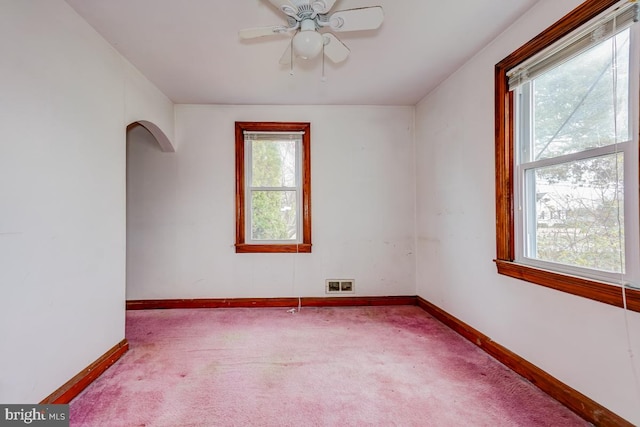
{"x": 360, "y": 366}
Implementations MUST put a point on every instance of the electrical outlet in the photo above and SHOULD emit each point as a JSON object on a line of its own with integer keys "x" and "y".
{"x": 340, "y": 286}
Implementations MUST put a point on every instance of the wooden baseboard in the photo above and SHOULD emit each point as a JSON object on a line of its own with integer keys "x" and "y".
{"x": 571, "y": 398}
{"x": 270, "y": 302}
{"x": 75, "y": 385}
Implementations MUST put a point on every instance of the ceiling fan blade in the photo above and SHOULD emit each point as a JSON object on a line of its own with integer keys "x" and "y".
{"x": 334, "y": 49}
{"x": 286, "y": 56}
{"x": 322, "y": 6}
{"x": 252, "y": 33}
{"x": 365, "y": 18}
{"x": 285, "y": 6}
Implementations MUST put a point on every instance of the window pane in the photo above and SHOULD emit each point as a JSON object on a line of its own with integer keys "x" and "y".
{"x": 579, "y": 213}
{"x": 273, "y": 215}
{"x": 575, "y": 103}
{"x": 273, "y": 163}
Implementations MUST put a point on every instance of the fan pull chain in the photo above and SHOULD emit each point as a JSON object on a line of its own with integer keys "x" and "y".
{"x": 291, "y": 62}
{"x": 323, "y": 78}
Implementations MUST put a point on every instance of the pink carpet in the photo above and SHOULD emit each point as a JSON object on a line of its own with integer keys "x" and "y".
{"x": 360, "y": 366}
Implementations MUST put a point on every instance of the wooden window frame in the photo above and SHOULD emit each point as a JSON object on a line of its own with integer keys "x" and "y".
{"x": 504, "y": 166}
{"x": 305, "y": 245}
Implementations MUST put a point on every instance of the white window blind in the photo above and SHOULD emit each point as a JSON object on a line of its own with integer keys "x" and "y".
{"x": 272, "y": 136}
{"x": 617, "y": 19}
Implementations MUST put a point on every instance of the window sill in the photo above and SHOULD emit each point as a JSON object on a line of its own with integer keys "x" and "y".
{"x": 597, "y": 291}
{"x": 303, "y": 248}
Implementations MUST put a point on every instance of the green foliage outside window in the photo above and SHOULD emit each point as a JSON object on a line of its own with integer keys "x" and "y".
{"x": 273, "y": 211}
{"x": 579, "y": 204}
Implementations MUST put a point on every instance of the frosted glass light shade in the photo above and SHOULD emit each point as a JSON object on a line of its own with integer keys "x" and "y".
{"x": 307, "y": 44}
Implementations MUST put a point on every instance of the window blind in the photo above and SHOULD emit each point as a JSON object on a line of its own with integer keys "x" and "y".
{"x": 273, "y": 136}
{"x": 617, "y": 19}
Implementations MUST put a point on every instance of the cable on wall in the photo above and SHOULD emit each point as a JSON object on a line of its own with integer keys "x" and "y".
{"x": 295, "y": 257}
{"x": 293, "y": 282}
{"x": 619, "y": 208}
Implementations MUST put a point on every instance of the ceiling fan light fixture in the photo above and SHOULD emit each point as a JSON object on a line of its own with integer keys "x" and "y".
{"x": 307, "y": 43}
{"x": 305, "y": 20}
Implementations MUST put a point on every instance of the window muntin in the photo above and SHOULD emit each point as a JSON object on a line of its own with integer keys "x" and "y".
{"x": 273, "y": 185}
{"x": 516, "y": 233}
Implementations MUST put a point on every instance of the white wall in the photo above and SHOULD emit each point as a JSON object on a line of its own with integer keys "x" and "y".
{"x": 63, "y": 115}
{"x": 581, "y": 342}
{"x": 66, "y": 99}
{"x": 145, "y": 103}
{"x": 181, "y": 209}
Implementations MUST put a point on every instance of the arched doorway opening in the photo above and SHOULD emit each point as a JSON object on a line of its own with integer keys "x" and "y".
{"x": 146, "y": 160}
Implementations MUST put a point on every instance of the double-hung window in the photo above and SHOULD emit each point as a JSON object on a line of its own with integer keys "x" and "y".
{"x": 273, "y": 187}
{"x": 567, "y": 156}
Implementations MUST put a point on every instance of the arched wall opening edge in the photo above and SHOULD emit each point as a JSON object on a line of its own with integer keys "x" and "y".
{"x": 163, "y": 141}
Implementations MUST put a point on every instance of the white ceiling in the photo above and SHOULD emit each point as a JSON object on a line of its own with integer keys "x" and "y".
{"x": 190, "y": 49}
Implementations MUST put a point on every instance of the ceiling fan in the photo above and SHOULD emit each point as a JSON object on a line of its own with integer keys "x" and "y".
{"x": 306, "y": 18}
